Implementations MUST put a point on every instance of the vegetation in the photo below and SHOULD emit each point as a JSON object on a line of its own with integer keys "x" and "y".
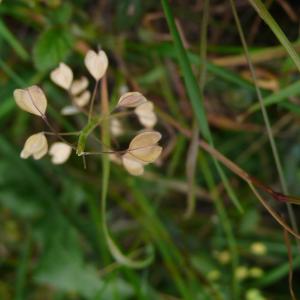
{"x": 212, "y": 216}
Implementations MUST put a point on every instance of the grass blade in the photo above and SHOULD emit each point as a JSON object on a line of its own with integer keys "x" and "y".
{"x": 282, "y": 95}
{"x": 12, "y": 41}
{"x": 196, "y": 98}
{"x": 195, "y": 95}
{"x": 273, "y": 25}
{"x": 275, "y": 153}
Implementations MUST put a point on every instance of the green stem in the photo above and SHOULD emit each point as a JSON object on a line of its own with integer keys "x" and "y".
{"x": 266, "y": 119}
{"x": 113, "y": 247}
{"x": 269, "y": 20}
{"x": 86, "y": 131}
{"x": 195, "y": 96}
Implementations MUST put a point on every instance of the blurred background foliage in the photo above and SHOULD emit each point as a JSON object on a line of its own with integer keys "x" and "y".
{"x": 51, "y": 243}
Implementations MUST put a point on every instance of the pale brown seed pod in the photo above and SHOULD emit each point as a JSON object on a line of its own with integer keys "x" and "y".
{"x": 79, "y": 85}
{"x": 82, "y": 99}
{"x": 132, "y": 165}
{"x": 36, "y": 145}
{"x": 32, "y": 100}
{"x": 146, "y": 115}
{"x": 96, "y": 63}
{"x": 142, "y": 150}
{"x": 62, "y": 76}
{"x": 131, "y": 99}
{"x": 60, "y": 152}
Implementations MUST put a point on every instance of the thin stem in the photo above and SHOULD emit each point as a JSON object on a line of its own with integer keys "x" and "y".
{"x": 230, "y": 164}
{"x": 62, "y": 133}
{"x": 193, "y": 147}
{"x": 273, "y": 25}
{"x": 272, "y": 212}
{"x": 93, "y": 99}
{"x": 56, "y": 133}
{"x": 290, "y": 258}
{"x": 266, "y": 120}
{"x": 44, "y": 117}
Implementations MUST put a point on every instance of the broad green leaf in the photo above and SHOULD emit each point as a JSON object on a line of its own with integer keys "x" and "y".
{"x": 52, "y": 47}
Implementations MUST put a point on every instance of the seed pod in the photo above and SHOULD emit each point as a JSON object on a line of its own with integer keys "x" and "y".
{"x": 146, "y": 154}
{"x": 69, "y": 110}
{"x": 83, "y": 99}
{"x": 60, "y": 152}
{"x": 96, "y": 63}
{"x": 131, "y": 99}
{"x": 146, "y": 115}
{"x": 79, "y": 85}
{"x": 116, "y": 128}
{"x": 132, "y": 165}
{"x": 62, "y": 76}
{"x": 36, "y": 145}
{"x": 142, "y": 150}
{"x": 32, "y": 100}
{"x": 144, "y": 139}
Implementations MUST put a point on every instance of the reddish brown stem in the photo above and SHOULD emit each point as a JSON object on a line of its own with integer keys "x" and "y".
{"x": 232, "y": 165}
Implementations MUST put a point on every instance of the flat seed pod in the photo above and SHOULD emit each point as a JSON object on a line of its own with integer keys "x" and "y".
{"x": 69, "y": 110}
{"x": 41, "y": 153}
{"x": 144, "y": 108}
{"x": 83, "y": 99}
{"x": 36, "y": 145}
{"x": 32, "y": 100}
{"x": 115, "y": 158}
{"x": 132, "y": 165}
{"x": 148, "y": 120}
{"x": 146, "y": 155}
{"x": 144, "y": 139}
{"x": 96, "y": 63}
{"x": 62, "y": 76}
{"x": 79, "y": 85}
{"x": 131, "y": 99}
{"x": 60, "y": 152}
{"x": 116, "y": 128}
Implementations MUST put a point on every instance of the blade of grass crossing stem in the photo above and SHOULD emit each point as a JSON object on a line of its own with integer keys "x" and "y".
{"x": 193, "y": 150}
{"x": 195, "y": 95}
{"x": 114, "y": 249}
{"x": 273, "y": 25}
{"x": 189, "y": 78}
{"x": 266, "y": 121}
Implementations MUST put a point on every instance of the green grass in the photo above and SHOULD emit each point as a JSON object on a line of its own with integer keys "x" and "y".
{"x": 69, "y": 232}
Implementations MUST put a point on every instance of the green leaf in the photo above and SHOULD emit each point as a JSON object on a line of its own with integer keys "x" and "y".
{"x": 24, "y": 207}
{"x": 52, "y": 47}
{"x": 64, "y": 270}
{"x": 61, "y": 14}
